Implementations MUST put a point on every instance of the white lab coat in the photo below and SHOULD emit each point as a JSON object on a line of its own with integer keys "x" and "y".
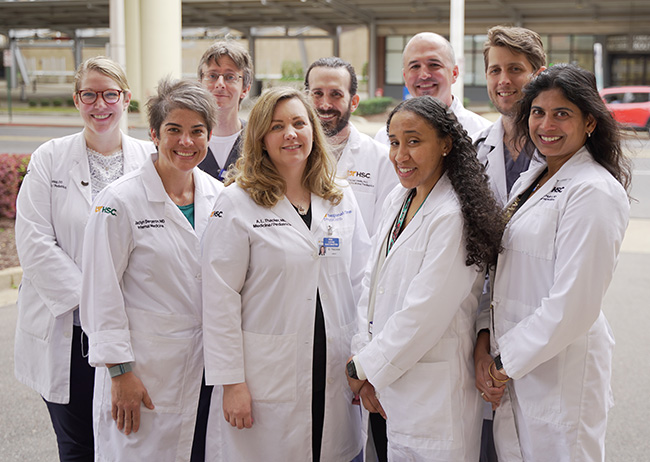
{"x": 490, "y": 153}
{"x": 261, "y": 271}
{"x": 471, "y": 122}
{"x": 561, "y": 248}
{"x": 420, "y": 357}
{"x": 365, "y": 164}
{"x": 53, "y": 206}
{"x": 141, "y": 302}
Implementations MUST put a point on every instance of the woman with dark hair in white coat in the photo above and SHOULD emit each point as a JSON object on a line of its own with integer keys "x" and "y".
{"x": 442, "y": 228}
{"x": 141, "y": 295}
{"x": 278, "y": 314}
{"x": 551, "y": 344}
{"x": 63, "y": 178}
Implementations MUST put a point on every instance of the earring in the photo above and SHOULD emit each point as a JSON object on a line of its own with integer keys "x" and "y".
{"x": 444, "y": 154}
{"x": 588, "y": 134}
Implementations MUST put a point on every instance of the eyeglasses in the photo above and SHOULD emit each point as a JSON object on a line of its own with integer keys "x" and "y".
{"x": 228, "y": 77}
{"x": 90, "y": 96}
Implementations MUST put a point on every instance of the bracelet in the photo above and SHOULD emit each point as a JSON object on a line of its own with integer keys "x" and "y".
{"x": 493, "y": 377}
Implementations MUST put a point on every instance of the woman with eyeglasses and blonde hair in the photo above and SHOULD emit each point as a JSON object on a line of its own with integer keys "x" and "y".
{"x": 54, "y": 202}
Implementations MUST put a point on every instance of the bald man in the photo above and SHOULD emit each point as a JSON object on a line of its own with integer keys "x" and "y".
{"x": 429, "y": 68}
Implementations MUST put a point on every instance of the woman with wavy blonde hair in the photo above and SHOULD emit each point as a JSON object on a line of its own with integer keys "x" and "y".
{"x": 279, "y": 312}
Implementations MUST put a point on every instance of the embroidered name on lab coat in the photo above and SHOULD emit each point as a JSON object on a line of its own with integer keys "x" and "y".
{"x": 270, "y": 222}
{"x": 146, "y": 224}
{"x": 59, "y": 184}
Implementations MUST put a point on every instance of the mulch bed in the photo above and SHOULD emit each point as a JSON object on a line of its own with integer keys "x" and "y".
{"x": 8, "y": 255}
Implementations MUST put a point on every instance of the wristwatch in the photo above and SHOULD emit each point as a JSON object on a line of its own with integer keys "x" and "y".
{"x": 119, "y": 369}
{"x": 352, "y": 370}
{"x": 498, "y": 365}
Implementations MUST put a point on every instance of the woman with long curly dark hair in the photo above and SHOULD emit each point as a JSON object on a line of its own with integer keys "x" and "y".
{"x": 551, "y": 343}
{"x": 442, "y": 229}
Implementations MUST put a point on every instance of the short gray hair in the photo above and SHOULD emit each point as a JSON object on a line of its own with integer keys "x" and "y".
{"x": 181, "y": 94}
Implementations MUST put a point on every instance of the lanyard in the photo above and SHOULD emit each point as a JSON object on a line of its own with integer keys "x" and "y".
{"x": 399, "y": 224}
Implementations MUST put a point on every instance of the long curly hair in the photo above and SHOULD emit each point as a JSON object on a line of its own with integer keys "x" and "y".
{"x": 483, "y": 219}
{"x": 579, "y": 86}
{"x": 254, "y": 170}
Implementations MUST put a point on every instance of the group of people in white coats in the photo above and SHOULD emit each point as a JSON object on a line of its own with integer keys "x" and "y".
{"x": 163, "y": 316}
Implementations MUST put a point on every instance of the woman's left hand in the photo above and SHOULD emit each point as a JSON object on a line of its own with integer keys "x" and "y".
{"x": 370, "y": 400}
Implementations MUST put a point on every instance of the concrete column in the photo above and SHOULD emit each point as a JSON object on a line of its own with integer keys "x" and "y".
{"x": 336, "y": 45}
{"x": 117, "y": 44}
{"x": 133, "y": 48}
{"x": 457, "y": 39}
{"x": 372, "y": 59}
{"x": 161, "y": 42}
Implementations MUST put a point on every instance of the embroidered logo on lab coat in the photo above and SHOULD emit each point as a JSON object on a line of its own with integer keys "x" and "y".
{"x": 107, "y": 210}
{"x": 359, "y": 178}
{"x": 337, "y": 216}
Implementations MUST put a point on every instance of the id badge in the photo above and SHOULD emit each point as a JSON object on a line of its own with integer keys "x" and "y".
{"x": 329, "y": 247}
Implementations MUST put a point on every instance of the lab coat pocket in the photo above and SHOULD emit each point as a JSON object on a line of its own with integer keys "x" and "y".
{"x": 270, "y": 366}
{"x": 536, "y": 231}
{"x": 418, "y": 404}
{"x": 33, "y": 316}
{"x": 162, "y": 365}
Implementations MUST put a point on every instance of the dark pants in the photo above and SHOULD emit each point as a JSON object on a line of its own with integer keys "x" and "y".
{"x": 201, "y": 427}
{"x": 73, "y": 422}
{"x": 488, "y": 452}
{"x": 378, "y": 426}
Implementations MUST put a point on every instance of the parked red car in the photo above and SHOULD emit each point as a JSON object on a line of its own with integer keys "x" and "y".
{"x": 629, "y": 105}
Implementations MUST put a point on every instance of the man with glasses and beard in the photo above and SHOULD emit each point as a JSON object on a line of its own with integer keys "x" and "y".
{"x": 332, "y": 86}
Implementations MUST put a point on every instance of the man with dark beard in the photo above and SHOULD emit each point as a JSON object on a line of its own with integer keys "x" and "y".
{"x": 332, "y": 86}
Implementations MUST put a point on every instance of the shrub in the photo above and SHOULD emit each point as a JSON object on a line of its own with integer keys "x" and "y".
{"x": 134, "y": 106}
{"x": 69, "y": 101}
{"x": 32, "y": 103}
{"x": 292, "y": 70}
{"x": 12, "y": 171}
{"x": 45, "y": 102}
{"x": 373, "y": 105}
{"x": 57, "y": 102}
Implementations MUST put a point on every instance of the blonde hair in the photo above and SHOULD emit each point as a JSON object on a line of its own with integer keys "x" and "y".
{"x": 103, "y": 65}
{"x": 256, "y": 173}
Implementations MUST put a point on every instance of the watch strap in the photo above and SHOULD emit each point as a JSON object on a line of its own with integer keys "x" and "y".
{"x": 352, "y": 370}
{"x": 119, "y": 369}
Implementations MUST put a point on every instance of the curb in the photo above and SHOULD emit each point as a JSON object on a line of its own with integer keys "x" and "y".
{"x": 10, "y": 278}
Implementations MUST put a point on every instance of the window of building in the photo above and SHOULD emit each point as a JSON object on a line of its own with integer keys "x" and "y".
{"x": 394, "y": 46}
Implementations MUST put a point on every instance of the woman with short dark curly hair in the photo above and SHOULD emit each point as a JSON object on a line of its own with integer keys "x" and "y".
{"x": 442, "y": 229}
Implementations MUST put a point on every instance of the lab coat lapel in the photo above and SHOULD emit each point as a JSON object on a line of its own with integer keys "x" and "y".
{"x": 495, "y": 166}
{"x": 80, "y": 170}
{"x": 319, "y": 208}
{"x": 155, "y": 191}
{"x": 203, "y": 202}
{"x": 285, "y": 210}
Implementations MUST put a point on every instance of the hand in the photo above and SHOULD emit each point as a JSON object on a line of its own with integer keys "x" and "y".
{"x": 237, "y": 405}
{"x": 370, "y": 400}
{"x": 490, "y": 391}
{"x": 127, "y": 392}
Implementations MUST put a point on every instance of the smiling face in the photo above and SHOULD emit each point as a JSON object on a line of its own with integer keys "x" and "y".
{"x": 557, "y": 126}
{"x": 329, "y": 89}
{"x": 416, "y": 151}
{"x": 101, "y": 119}
{"x": 227, "y": 94}
{"x": 289, "y": 139}
{"x": 182, "y": 142}
{"x": 507, "y": 73}
{"x": 429, "y": 68}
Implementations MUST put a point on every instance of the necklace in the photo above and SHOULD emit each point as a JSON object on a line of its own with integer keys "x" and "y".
{"x": 301, "y": 209}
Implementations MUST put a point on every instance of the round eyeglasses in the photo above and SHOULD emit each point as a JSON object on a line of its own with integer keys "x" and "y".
{"x": 90, "y": 96}
{"x": 228, "y": 77}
